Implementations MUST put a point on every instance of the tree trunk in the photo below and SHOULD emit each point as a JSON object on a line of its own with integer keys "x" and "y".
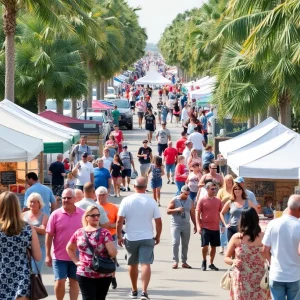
{"x": 9, "y": 27}
{"x": 273, "y": 112}
{"x": 74, "y": 108}
{"x": 98, "y": 90}
{"x": 102, "y": 90}
{"x": 255, "y": 119}
{"x": 250, "y": 122}
{"x": 90, "y": 93}
{"x": 105, "y": 87}
{"x": 41, "y": 101}
{"x": 262, "y": 116}
{"x": 60, "y": 106}
{"x": 285, "y": 109}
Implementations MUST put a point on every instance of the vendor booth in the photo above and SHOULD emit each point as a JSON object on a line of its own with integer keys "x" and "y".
{"x": 155, "y": 78}
{"x": 267, "y": 157}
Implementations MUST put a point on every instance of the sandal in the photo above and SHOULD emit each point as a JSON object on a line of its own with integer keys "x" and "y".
{"x": 175, "y": 266}
{"x": 186, "y": 266}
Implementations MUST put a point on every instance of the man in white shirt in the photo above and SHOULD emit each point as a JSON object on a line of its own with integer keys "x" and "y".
{"x": 281, "y": 248}
{"x": 139, "y": 210}
{"x": 83, "y": 172}
{"x": 198, "y": 141}
{"x": 107, "y": 160}
{"x": 184, "y": 115}
{"x": 187, "y": 150}
{"x": 250, "y": 194}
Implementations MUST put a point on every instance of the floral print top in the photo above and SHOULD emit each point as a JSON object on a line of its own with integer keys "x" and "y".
{"x": 85, "y": 254}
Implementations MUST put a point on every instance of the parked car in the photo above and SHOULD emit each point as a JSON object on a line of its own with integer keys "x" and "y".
{"x": 51, "y": 105}
{"x": 111, "y": 93}
{"x": 99, "y": 117}
{"x": 125, "y": 111}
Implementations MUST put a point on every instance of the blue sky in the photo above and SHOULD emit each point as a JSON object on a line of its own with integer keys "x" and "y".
{"x": 157, "y": 14}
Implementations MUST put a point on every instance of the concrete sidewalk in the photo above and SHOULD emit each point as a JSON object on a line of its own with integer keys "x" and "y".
{"x": 166, "y": 283}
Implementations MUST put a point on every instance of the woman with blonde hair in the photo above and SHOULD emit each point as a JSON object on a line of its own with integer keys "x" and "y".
{"x": 224, "y": 194}
{"x": 38, "y": 220}
{"x": 194, "y": 158}
{"x": 16, "y": 237}
{"x": 93, "y": 285}
{"x": 238, "y": 201}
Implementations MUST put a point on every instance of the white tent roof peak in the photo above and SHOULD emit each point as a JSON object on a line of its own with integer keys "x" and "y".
{"x": 153, "y": 77}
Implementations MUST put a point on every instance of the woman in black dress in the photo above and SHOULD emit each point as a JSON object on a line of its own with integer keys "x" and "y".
{"x": 116, "y": 173}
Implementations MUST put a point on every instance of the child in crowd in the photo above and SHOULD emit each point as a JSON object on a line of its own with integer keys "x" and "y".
{"x": 70, "y": 181}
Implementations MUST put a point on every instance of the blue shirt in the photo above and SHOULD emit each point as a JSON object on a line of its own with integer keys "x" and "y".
{"x": 45, "y": 193}
{"x": 207, "y": 157}
{"x": 267, "y": 211}
{"x": 101, "y": 177}
{"x": 210, "y": 114}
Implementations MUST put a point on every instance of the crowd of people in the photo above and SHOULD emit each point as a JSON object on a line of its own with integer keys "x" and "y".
{"x": 75, "y": 229}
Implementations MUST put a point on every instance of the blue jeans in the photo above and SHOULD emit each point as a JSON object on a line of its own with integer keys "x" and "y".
{"x": 223, "y": 236}
{"x": 40, "y": 263}
{"x": 285, "y": 290}
{"x": 164, "y": 118}
{"x": 193, "y": 196}
{"x": 179, "y": 185}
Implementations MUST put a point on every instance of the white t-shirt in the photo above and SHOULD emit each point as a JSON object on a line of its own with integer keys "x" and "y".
{"x": 171, "y": 103}
{"x": 107, "y": 162}
{"x": 84, "y": 173}
{"x": 139, "y": 210}
{"x": 186, "y": 153}
{"x": 196, "y": 138}
{"x": 283, "y": 236}
{"x": 184, "y": 114}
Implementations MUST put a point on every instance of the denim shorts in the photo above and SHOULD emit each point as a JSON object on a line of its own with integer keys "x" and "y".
{"x": 156, "y": 183}
{"x": 170, "y": 168}
{"x": 126, "y": 173}
{"x": 63, "y": 269}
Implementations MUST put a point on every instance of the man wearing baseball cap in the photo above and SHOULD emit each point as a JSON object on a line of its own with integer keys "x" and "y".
{"x": 187, "y": 150}
{"x": 250, "y": 194}
{"x": 127, "y": 160}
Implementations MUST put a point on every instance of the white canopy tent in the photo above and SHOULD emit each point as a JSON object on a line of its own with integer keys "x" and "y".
{"x": 153, "y": 77}
{"x": 200, "y": 92}
{"x": 261, "y": 133}
{"x": 16, "y": 146}
{"x": 276, "y": 158}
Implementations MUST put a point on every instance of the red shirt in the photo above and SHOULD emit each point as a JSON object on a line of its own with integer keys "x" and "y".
{"x": 170, "y": 155}
{"x": 180, "y": 170}
{"x": 180, "y": 145}
{"x": 118, "y": 136}
{"x": 210, "y": 212}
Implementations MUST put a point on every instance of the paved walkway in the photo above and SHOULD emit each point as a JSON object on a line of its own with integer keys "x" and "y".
{"x": 166, "y": 283}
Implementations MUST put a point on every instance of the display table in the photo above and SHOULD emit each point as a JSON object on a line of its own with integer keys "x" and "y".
{"x": 263, "y": 222}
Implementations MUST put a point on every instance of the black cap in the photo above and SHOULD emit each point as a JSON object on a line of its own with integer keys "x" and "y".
{"x": 85, "y": 154}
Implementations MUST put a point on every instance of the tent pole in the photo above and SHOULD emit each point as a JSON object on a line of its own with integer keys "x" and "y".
{"x": 41, "y": 175}
{"x": 26, "y": 171}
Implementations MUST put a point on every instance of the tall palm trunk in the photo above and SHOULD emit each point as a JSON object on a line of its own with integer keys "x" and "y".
{"x": 285, "y": 109}
{"x": 262, "y": 116}
{"x": 102, "y": 88}
{"x": 9, "y": 27}
{"x": 273, "y": 112}
{"x": 41, "y": 101}
{"x": 60, "y": 106}
{"x": 90, "y": 85}
{"x": 250, "y": 122}
{"x": 74, "y": 107}
{"x": 98, "y": 88}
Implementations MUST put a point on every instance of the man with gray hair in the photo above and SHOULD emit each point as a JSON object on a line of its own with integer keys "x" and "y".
{"x": 181, "y": 208}
{"x": 281, "y": 248}
{"x": 208, "y": 219}
{"x": 57, "y": 170}
{"x": 139, "y": 210}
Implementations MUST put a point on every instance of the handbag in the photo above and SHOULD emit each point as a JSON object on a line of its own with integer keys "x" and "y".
{"x": 264, "y": 283}
{"x": 100, "y": 264}
{"x": 38, "y": 290}
{"x": 226, "y": 280}
{"x": 134, "y": 175}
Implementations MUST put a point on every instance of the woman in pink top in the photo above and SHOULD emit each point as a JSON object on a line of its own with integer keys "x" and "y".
{"x": 112, "y": 143}
{"x": 118, "y": 134}
{"x": 93, "y": 285}
{"x": 181, "y": 173}
{"x": 193, "y": 180}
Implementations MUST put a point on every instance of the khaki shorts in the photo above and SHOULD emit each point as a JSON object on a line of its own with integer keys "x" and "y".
{"x": 140, "y": 252}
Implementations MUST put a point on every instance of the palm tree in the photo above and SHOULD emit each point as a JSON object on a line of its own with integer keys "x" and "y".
{"x": 49, "y": 11}
{"x": 47, "y": 68}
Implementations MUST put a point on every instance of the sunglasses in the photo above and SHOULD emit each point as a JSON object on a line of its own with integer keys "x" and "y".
{"x": 213, "y": 189}
{"x": 186, "y": 194}
{"x": 66, "y": 198}
{"x": 94, "y": 215}
{"x": 237, "y": 189}
{"x": 214, "y": 168}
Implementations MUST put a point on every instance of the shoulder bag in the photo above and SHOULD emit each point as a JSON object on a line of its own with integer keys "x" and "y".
{"x": 264, "y": 283}
{"x": 38, "y": 290}
{"x": 226, "y": 281}
{"x": 100, "y": 264}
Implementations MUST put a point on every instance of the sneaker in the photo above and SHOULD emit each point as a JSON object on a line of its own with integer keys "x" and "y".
{"x": 133, "y": 294}
{"x": 128, "y": 189}
{"x": 144, "y": 296}
{"x": 213, "y": 267}
{"x": 122, "y": 189}
{"x": 203, "y": 267}
{"x": 173, "y": 182}
{"x": 114, "y": 283}
{"x": 147, "y": 191}
{"x": 168, "y": 182}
